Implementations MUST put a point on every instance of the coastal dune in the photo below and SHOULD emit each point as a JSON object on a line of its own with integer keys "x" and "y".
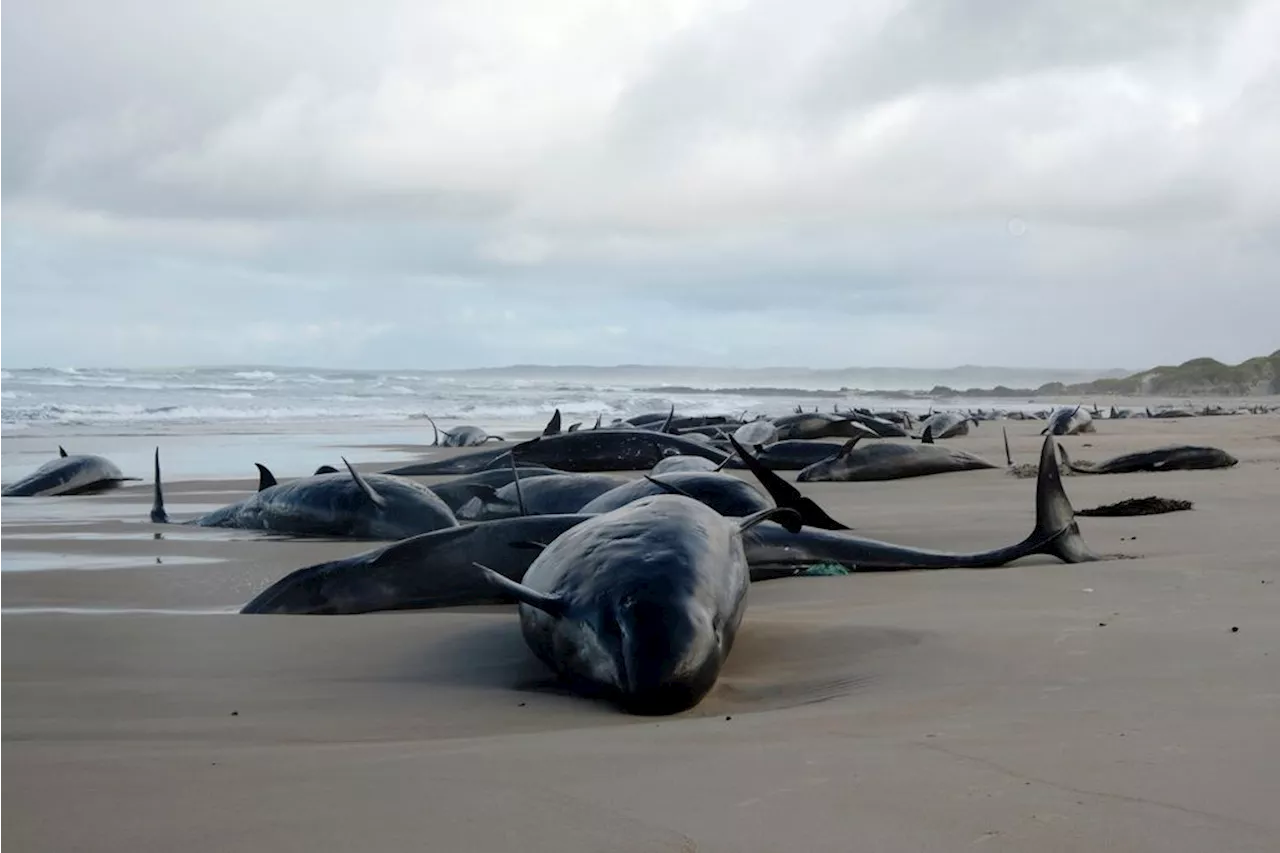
{"x": 1129, "y": 704}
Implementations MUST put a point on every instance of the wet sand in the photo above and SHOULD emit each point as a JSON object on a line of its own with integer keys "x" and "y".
{"x": 1035, "y": 707}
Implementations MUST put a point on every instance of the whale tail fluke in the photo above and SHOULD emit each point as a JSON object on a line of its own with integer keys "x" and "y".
{"x": 1056, "y": 532}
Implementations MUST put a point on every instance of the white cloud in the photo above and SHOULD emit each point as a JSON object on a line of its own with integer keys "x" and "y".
{"x": 810, "y": 182}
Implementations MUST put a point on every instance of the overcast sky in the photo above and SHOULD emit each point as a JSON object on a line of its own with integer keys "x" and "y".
{"x": 1066, "y": 183}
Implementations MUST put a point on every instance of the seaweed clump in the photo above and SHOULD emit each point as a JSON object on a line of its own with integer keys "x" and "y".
{"x": 1150, "y": 505}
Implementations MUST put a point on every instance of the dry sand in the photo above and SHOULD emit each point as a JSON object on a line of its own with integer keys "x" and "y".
{"x": 1039, "y": 707}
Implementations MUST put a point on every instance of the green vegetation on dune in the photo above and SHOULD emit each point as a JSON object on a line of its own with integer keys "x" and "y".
{"x": 1197, "y": 377}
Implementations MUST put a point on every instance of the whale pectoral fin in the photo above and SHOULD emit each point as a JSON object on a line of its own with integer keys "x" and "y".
{"x": 926, "y": 437}
{"x": 435, "y": 431}
{"x": 369, "y": 491}
{"x": 787, "y": 517}
{"x": 265, "y": 478}
{"x": 528, "y": 545}
{"x": 671, "y": 416}
{"x": 1008, "y": 455}
{"x": 552, "y": 605}
{"x": 667, "y": 487}
{"x": 515, "y": 477}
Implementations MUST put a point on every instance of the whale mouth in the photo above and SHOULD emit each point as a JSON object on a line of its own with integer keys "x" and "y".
{"x": 663, "y": 701}
{"x": 666, "y": 660}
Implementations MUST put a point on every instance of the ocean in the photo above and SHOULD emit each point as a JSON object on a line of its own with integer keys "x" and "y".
{"x": 510, "y": 397}
{"x": 216, "y": 421}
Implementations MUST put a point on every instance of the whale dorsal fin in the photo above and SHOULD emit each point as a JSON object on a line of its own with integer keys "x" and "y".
{"x": 598, "y": 419}
{"x": 553, "y": 425}
{"x": 265, "y": 478}
{"x": 848, "y": 446}
{"x": 325, "y": 469}
{"x": 574, "y": 427}
{"x": 552, "y": 605}
{"x": 158, "y": 515}
{"x": 369, "y": 491}
{"x": 927, "y": 436}
{"x": 62, "y": 452}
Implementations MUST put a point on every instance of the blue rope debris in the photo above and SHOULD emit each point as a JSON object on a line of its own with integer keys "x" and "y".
{"x": 825, "y": 570}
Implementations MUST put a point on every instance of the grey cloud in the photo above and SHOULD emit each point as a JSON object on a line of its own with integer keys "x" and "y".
{"x": 764, "y": 182}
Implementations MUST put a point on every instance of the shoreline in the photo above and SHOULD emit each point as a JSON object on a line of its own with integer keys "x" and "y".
{"x": 1037, "y": 706}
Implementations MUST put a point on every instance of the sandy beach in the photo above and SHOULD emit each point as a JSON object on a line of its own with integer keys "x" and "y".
{"x": 1126, "y": 705}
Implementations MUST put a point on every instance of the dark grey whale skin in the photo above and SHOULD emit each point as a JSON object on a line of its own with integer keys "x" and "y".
{"x": 68, "y": 475}
{"x": 588, "y": 451}
{"x": 640, "y": 605}
{"x": 433, "y": 569}
{"x": 1175, "y": 457}
{"x": 340, "y": 505}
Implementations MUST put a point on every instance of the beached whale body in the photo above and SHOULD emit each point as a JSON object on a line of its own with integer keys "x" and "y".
{"x": 811, "y": 425}
{"x": 579, "y": 452}
{"x": 1069, "y": 420}
{"x": 425, "y": 571}
{"x": 681, "y": 462}
{"x": 553, "y": 495}
{"x": 347, "y": 505}
{"x": 641, "y": 604}
{"x": 946, "y": 424}
{"x": 1055, "y": 534}
{"x": 876, "y": 426}
{"x": 890, "y": 461}
{"x": 725, "y": 494}
{"x": 461, "y": 436}
{"x": 484, "y": 485}
{"x": 1177, "y": 457}
{"x": 68, "y": 475}
{"x": 756, "y": 432}
{"x": 434, "y": 569}
{"x": 790, "y": 455}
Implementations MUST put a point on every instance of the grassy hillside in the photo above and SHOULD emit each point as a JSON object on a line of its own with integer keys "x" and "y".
{"x": 1198, "y": 377}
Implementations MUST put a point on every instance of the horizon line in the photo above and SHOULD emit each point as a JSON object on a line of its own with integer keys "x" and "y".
{"x": 537, "y": 366}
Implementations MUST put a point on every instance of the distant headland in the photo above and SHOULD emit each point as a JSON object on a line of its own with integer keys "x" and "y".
{"x": 1199, "y": 377}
